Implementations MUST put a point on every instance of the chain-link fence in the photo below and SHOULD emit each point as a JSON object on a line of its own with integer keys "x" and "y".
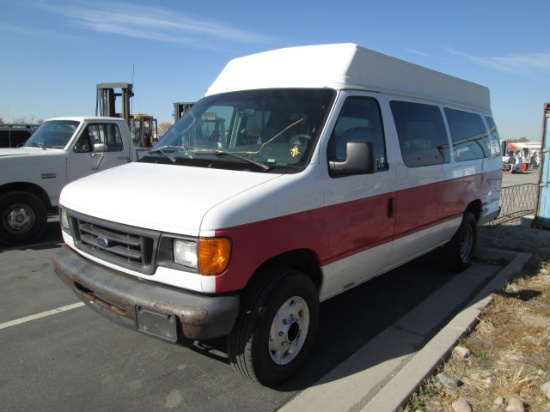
{"x": 517, "y": 201}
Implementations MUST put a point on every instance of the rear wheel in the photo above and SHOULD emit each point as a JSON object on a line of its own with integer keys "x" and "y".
{"x": 276, "y": 326}
{"x": 459, "y": 252}
{"x": 23, "y": 217}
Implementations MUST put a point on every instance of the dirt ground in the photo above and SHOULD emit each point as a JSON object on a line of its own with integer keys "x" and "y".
{"x": 507, "y": 356}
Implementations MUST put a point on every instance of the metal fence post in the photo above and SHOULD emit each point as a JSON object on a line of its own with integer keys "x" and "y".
{"x": 542, "y": 218}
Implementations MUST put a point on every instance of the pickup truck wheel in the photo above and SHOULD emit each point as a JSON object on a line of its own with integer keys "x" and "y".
{"x": 276, "y": 327}
{"x": 459, "y": 252}
{"x": 24, "y": 217}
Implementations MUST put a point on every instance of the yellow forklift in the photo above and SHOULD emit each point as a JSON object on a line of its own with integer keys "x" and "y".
{"x": 144, "y": 130}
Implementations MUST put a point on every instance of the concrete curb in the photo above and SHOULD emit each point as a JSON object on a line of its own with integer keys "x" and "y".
{"x": 401, "y": 387}
{"x": 383, "y": 374}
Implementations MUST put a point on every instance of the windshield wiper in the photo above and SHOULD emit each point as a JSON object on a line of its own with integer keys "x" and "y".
{"x": 246, "y": 159}
{"x": 164, "y": 153}
{"x": 40, "y": 145}
{"x": 237, "y": 156}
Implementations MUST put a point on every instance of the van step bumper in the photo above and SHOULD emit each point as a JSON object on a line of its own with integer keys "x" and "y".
{"x": 163, "y": 311}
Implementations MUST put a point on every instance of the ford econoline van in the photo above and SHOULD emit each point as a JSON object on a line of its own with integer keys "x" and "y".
{"x": 302, "y": 173}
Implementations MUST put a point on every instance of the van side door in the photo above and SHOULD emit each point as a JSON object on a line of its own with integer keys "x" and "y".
{"x": 100, "y": 146}
{"x": 359, "y": 207}
{"x": 423, "y": 176}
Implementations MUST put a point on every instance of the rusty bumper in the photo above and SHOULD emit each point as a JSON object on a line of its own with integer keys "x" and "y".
{"x": 122, "y": 298}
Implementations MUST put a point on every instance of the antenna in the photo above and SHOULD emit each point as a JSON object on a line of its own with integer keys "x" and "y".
{"x": 132, "y": 95}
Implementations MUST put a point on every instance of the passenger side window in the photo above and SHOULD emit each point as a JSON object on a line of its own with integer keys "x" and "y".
{"x": 100, "y": 138}
{"x": 359, "y": 120}
{"x": 468, "y": 134}
{"x": 421, "y": 132}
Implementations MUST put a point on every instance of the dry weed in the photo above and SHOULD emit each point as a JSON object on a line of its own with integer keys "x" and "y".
{"x": 510, "y": 345}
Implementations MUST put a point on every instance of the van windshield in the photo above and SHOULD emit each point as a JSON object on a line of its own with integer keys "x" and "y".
{"x": 257, "y": 130}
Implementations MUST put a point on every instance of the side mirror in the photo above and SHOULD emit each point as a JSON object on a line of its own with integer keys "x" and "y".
{"x": 100, "y": 147}
{"x": 360, "y": 159}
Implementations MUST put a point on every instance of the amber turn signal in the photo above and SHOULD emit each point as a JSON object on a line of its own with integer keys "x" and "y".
{"x": 214, "y": 254}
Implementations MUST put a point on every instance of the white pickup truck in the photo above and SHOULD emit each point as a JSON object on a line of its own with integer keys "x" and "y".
{"x": 60, "y": 151}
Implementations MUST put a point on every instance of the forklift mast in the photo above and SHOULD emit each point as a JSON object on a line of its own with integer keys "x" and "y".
{"x": 106, "y": 100}
{"x": 180, "y": 108}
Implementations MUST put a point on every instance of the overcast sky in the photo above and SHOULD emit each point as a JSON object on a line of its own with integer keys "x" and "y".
{"x": 53, "y": 53}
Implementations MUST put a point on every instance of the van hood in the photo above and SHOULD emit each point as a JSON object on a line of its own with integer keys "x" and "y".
{"x": 166, "y": 198}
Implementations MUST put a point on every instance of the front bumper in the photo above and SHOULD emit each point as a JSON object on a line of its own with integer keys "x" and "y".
{"x": 122, "y": 298}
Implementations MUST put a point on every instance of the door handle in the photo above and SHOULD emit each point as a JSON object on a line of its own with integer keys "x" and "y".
{"x": 100, "y": 160}
{"x": 391, "y": 207}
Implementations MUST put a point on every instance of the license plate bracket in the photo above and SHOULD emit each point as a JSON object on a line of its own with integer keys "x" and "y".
{"x": 159, "y": 324}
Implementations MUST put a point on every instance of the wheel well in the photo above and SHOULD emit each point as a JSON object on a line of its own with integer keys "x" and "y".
{"x": 29, "y": 188}
{"x": 475, "y": 208}
{"x": 303, "y": 260}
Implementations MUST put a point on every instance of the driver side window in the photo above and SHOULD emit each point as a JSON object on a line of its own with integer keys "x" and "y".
{"x": 84, "y": 142}
{"x": 99, "y": 138}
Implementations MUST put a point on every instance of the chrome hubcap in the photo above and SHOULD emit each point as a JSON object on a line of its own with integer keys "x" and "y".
{"x": 289, "y": 330}
{"x": 20, "y": 219}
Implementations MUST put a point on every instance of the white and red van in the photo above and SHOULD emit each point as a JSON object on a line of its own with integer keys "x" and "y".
{"x": 303, "y": 172}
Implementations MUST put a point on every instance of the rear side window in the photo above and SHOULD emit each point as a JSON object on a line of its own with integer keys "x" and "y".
{"x": 4, "y": 138}
{"x": 19, "y": 137}
{"x": 421, "y": 132}
{"x": 468, "y": 134}
{"x": 14, "y": 137}
{"x": 494, "y": 138}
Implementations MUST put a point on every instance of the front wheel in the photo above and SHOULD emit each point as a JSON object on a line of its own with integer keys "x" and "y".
{"x": 276, "y": 326}
{"x": 459, "y": 251}
{"x": 23, "y": 217}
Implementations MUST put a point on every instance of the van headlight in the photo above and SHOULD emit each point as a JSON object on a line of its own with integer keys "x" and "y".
{"x": 185, "y": 253}
{"x": 209, "y": 256}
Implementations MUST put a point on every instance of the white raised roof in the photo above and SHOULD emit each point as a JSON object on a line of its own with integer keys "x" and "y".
{"x": 346, "y": 66}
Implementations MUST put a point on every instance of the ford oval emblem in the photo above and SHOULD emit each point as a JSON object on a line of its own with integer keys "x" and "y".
{"x": 101, "y": 241}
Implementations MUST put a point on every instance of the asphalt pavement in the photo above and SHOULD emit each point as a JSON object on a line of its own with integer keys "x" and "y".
{"x": 387, "y": 354}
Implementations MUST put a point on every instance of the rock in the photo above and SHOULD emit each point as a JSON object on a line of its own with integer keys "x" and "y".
{"x": 461, "y": 405}
{"x": 499, "y": 401}
{"x": 546, "y": 389}
{"x": 461, "y": 352}
{"x": 515, "y": 405}
{"x": 448, "y": 381}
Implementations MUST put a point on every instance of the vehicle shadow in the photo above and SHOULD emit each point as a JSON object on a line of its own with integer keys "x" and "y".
{"x": 351, "y": 320}
{"x": 51, "y": 236}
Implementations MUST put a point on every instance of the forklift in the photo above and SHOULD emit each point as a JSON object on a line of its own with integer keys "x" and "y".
{"x": 142, "y": 126}
{"x": 144, "y": 130}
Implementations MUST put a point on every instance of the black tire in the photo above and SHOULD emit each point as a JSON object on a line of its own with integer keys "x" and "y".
{"x": 282, "y": 300}
{"x": 459, "y": 251}
{"x": 23, "y": 217}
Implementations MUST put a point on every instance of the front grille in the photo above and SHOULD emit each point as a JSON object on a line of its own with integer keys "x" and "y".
{"x": 126, "y": 246}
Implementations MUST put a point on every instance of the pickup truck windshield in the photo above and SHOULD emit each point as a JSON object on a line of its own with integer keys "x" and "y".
{"x": 257, "y": 130}
{"x": 53, "y": 134}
